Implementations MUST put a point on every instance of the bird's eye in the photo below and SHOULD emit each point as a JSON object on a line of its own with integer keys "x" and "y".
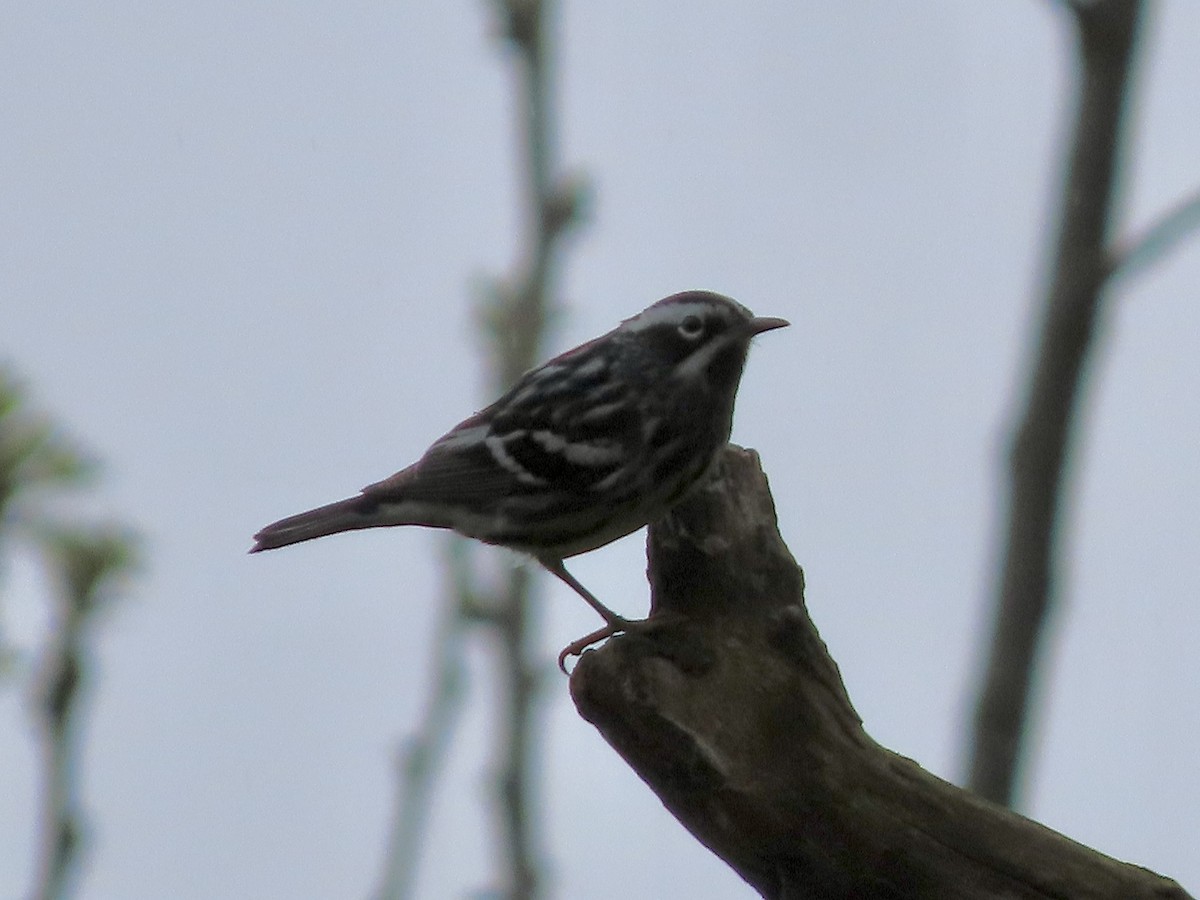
{"x": 691, "y": 327}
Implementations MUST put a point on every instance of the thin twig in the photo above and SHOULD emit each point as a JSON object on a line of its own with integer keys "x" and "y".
{"x": 1159, "y": 239}
{"x": 419, "y": 762}
{"x": 1041, "y": 449}
{"x": 86, "y": 563}
{"x": 38, "y": 461}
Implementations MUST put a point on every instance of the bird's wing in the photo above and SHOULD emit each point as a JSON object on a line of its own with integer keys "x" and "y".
{"x": 559, "y": 430}
{"x": 453, "y": 471}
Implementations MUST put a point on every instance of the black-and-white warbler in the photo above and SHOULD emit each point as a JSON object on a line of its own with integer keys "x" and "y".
{"x": 583, "y": 450}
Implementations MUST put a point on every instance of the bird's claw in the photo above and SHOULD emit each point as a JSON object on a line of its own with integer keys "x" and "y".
{"x": 614, "y": 626}
{"x": 576, "y": 647}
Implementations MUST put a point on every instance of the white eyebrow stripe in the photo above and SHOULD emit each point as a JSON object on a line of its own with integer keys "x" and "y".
{"x": 670, "y": 314}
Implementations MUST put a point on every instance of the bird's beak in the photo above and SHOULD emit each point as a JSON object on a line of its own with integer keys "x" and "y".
{"x": 759, "y": 324}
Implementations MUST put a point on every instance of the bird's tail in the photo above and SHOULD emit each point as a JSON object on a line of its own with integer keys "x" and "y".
{"x": 345, "y": 515}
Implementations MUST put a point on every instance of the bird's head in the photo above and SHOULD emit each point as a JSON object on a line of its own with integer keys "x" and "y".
{"x": 699, "y": 334}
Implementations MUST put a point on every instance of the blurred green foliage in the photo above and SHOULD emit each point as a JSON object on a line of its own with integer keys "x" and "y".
{"x": 40, "y": 466}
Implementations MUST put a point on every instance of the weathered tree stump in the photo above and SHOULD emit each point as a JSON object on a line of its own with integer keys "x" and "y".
{"x": 734, "y": 714}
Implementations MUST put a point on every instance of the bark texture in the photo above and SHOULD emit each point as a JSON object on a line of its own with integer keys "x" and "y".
{"x": 734, "y": 714}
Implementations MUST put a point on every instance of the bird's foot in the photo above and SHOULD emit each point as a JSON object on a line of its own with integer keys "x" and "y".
{"x": 616, "y": 625}
{"x": 576, "y": 647}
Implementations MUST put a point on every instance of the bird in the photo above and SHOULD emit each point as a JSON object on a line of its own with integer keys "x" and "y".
{"x": 584, "y": 449}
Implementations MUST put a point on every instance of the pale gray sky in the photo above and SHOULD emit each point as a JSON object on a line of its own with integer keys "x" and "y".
{"x": 237, "y": 244}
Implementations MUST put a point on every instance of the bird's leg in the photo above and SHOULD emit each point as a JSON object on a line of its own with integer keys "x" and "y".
{"x": 614, "y": 622}
{"x": 556, "y": 567}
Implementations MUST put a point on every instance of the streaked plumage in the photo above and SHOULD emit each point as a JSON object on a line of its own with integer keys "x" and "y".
{"x": 584, "y": 449}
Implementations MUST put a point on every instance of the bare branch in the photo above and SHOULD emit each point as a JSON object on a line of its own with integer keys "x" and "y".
{"x": 85, "y": 564}
{"x": 36, "y": 461}
{"x": 734, "y": 714}
{"x": 518, "y": 316}
{"x": 1041, "y": 448}
{"x": 514, "y": 314}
